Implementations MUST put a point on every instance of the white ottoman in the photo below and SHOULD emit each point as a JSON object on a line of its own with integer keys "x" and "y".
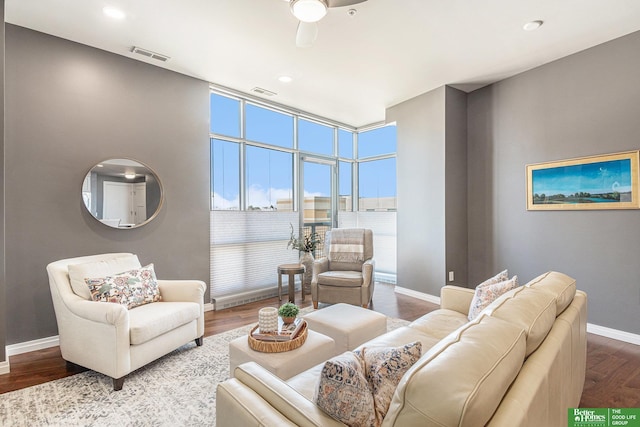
{"x": 316, "y": 349}
{"x": 349, "y": 325}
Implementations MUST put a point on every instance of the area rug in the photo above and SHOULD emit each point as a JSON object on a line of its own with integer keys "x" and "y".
{"x": 179, "y": 389}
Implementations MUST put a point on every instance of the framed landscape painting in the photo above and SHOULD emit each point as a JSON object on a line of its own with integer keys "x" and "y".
{"x": 600, "y": 182}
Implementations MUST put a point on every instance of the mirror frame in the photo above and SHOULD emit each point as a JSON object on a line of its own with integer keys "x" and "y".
{"x": 150, "y": 171}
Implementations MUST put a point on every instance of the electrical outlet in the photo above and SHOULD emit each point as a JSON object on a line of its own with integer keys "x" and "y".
{"x": 451, "y": 276}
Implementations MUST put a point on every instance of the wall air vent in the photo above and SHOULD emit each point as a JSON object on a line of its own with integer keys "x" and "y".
{"x": 261, "y": 91}
{"x": 149, "y": 54}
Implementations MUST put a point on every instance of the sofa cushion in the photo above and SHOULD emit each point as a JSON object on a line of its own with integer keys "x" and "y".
{"x": 486, "y": 293}
{"x": 401, "y": 336}
{"x": 439, "y": 323}
{"x": 152, "y": 320}
{"x": 132, "y": 288}
{"x": 531, "y": 309}
{"x": 560, "y": 285}
{"x": 461, "y": 380}
{"x": 384, "y": 368}
{"x": 343, "y": 391}
{"x": 89, "y": 270}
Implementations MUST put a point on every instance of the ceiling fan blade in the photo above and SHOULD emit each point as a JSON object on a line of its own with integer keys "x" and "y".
{"x": 341, "y": 3}
{"x": 306, "y": 34}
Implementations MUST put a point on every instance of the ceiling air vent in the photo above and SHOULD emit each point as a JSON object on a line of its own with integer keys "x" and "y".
{"x": 261, "y": 91}
{"x": 149, "y": 54}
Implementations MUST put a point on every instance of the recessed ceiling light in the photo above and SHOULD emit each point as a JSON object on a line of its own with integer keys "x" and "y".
{"x": 114, "y": 13}
{"x": 129, "y": 175}
{"x": 531, "y": 26}
{"x": 285, "y": 79}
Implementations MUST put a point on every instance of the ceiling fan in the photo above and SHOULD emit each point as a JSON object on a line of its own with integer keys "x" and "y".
{"x": 309, "y": 12}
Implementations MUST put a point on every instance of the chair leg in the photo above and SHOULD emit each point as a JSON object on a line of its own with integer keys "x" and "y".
{"x": 199, "y": 341}
{"x": 315, "y": 304}
{"x": 118, "y": 383}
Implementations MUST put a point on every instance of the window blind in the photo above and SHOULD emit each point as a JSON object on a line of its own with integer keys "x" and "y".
{"x": 246, "y": 249}
{"x": 384, "y": 228}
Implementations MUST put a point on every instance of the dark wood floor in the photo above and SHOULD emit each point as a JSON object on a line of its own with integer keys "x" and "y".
{"x": 613, "y": 367}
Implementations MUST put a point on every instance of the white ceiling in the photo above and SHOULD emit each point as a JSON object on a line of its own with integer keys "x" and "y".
{"x": 390, "y": 51}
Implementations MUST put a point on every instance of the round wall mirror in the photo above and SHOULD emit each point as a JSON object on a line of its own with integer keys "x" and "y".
{"x": 122, "y": 193}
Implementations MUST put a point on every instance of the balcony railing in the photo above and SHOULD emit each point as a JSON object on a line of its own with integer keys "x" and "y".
{"x": 317, "y": 227}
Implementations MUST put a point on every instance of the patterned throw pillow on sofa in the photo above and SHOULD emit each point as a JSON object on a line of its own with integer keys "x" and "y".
{"x": 343, "y": 392}
{"x": 487, "y": 293}
{"x": 384, "y": 368}
{"x": 500, "y": 277}
{"x": 356, "y": 387}
{"x": 131, "y": 288}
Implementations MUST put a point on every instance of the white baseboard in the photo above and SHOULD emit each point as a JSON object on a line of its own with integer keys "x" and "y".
{"x": 419, "y": 295}
{"x": 613, "y": 334}
{"x": 4, "y": 367}
{"x": 591, "y": 328}
{"x": 242, "y": 298}
{"x": 25, "y": 347}
{"x": 208, "y": 307}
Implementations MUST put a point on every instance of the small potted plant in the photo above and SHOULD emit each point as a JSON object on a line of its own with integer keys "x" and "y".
{"x": 288, "y": 311}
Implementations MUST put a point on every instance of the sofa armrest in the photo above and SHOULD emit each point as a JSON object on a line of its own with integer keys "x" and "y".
{"x": 368, "y": 269}
{"x": 282, "y": 397}
{"x": 106, "y": 313}
{"x": 320, "y": 265}
{"x": 456, "y": 298}
{"x": 238, "y": 405}
{"x": 182, "y": 290}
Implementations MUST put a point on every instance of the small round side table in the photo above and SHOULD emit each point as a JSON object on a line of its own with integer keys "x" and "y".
{"x": 291, "y": 270}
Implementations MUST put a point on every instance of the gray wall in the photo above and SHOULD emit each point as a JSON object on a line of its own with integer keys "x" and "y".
{"x": 3, "y": 283}
{"x": 456, "y": 186}
{"x": 431, "y": 168}
{"x": 581, "y": 105}
{"x": 68, "y": 107}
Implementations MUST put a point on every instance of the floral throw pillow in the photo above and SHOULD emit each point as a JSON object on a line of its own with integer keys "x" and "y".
{"x": 131, "y": 288}
{"x": 384, "y": 368}
{"x": 344, "y": 393}
{"x": 500, "y": 277}
{"x": 487, "y": 293}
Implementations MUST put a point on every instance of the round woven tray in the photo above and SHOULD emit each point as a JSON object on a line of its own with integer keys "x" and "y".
{"x": 277, "y": 346}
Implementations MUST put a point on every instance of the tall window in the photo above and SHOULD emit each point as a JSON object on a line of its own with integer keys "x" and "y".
{"x": 314, "y": 137}
{"x": 377, "y": 169}
{"x": 225, "y": 116}
{"x": 345, "y": 186}
{"x": 257, "y": 155}
{"x": 268, "y": 126}
{"x": 345, "y": 144}
{"x": 376, "y": 196}
{"x": 269, "y": 179}
{"x": 225, "y": 175}
{"x": 377, "y": 185}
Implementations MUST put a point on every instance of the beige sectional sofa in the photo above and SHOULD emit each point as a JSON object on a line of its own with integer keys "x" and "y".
{"x": 521, "y": 362}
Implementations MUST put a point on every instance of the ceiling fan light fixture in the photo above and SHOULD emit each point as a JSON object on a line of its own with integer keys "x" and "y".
{"x": 309, "y": 10}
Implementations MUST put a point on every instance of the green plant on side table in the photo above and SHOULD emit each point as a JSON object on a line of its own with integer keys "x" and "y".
{"x": 288, "y": 311}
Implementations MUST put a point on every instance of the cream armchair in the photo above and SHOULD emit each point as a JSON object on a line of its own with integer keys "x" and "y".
{"x": 109, "y": 338}
{"x": 346, "y": 271}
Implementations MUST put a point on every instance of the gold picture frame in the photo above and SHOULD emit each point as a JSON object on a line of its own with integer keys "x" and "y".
{"x": 607, "y": 181}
